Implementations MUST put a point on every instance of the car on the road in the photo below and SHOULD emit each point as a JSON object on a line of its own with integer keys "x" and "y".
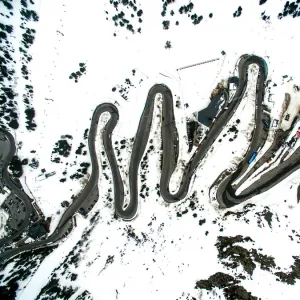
{"x": 287, "y": 117}
{"x": 266, "y": 123}
{"x": 275, "y": 123}
{"x": 82, "y": 211}
{"x": 254, "y": 154}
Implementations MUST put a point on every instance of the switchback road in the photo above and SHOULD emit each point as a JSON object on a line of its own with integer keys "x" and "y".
{"x": 170, "y": 145}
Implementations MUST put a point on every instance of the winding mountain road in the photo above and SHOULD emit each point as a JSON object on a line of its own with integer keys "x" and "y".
{"x": 170, "y": 144}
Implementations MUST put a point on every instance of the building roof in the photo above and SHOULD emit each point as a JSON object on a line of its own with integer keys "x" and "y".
{"x": 37, "y": 230}
{"x": 206, "y": 115}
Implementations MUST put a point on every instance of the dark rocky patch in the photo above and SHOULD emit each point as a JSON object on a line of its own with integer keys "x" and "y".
{"x": 238, "y": 292}
{"x": 266, "y": 214}
{"x": 291, "y": 276}
{"x": 219, "y": 280}
{"x": 240, "y": 215}
{"x": 228, "y": 284}
{"x": 233, "y": 255}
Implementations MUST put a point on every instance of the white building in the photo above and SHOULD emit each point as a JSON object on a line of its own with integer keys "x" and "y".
{"x": 292, "y": 110}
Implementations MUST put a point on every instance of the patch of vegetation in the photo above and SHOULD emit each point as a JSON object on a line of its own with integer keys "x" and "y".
{"x": 28, "y": 37}
{"x": 238, "y": 292}
{"x": 7, "y": 4}
{"x": 166, "y": 24}
{"x": 79, "y": 149}
{"x": 132, "y": 235}
{"x": 62, "y": 147}
{"x": 85, "y": 135}
{"x": 165, "y": 6}
{"x": 15, "y": 167}
{"x": 9, "y": 109}
{"x": 9, "y": 291}
{"x": 25, "y": 264}
{"x": 81, "y": 172}
{"x": 76, "y": 75}
{"x": 290, "y": 9}
{"x": 264, "y": 16}
{"x": 185, "y": 9}
{"x": 227, "y": 284}
{"x": 29, "y": 111}
{"x": 261, "y": 2}
{"x": 29, "y": 15}
{"x": 219, "y": 280}
{"x": 238, "y": 12}
{"x": 121, "y": 20}
{"x": 124, "y": 89}
{"x": 53, "y": 290}
{"x": 84, "y": 296}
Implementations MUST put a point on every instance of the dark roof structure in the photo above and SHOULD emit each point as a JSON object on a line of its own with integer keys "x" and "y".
{"x": 206, "y": 115}
{"x": 37, "y": 230}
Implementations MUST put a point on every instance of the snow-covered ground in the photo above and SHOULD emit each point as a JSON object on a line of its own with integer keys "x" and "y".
{"x": 167, "y": 248}
{"x": 293, "y": 108}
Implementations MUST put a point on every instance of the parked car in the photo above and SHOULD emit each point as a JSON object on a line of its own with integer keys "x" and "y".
{"x": 266, "y": 123}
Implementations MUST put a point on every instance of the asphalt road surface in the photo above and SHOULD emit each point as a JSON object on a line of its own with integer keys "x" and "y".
{"x": 170, "y": 144}
{"x": 226, "y": 192}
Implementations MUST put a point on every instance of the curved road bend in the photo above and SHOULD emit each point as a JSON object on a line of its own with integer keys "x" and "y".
{"x": 170, "y": 145}
{"x": 66, "y": 221}
{"x": 226, "y": 192}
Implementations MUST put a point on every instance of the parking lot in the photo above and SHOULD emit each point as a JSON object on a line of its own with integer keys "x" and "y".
{"x": 16, "y": 210}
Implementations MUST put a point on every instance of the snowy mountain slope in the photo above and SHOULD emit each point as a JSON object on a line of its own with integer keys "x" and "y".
{"x": 165, "y": 250}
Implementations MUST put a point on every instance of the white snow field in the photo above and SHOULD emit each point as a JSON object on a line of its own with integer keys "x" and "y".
{"x": 167, "y": 248}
